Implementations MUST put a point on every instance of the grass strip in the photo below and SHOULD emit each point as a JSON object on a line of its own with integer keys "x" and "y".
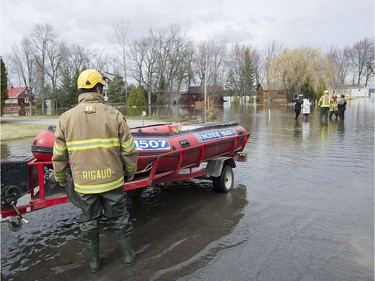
{"x": 18, "y": 131}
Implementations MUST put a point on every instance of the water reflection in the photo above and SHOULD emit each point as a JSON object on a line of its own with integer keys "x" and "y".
{"x": 16, "y": 149}
{"x": 173, "y": 223}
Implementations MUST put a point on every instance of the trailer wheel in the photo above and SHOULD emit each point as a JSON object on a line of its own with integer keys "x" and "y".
{"x": 15, "y": 224}
{"x": 224, "y": 183}
{"x": 10, "y": 194}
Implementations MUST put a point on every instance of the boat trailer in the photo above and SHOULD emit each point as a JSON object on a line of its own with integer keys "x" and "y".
{"x": 35, "y": 178}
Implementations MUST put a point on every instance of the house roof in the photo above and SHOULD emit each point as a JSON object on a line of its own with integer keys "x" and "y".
{"x": 108, "y": 75}
{"x": 15, "y": 92}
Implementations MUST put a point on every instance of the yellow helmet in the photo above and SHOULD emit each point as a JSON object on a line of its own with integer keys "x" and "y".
{"x": 326, "y": 92}
{"x": 89, "y": 78}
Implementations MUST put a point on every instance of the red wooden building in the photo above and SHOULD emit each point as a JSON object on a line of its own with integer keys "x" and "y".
{"x": 18, "y": 102}
{"x": 195, "y": 95}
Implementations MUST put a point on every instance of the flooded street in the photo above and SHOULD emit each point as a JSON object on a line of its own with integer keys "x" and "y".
{"x": 302, "y": 209}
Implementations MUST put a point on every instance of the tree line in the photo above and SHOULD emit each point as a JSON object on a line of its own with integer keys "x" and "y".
{"x": 157, "y": 67}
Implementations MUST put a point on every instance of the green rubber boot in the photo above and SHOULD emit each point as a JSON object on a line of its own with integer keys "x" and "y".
{"x": 94, "y": 256}
{"x": 127, "y": 252}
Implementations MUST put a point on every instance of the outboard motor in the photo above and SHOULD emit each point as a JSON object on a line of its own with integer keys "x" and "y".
{"x": 15, "y": 175}
{"x": 42, "y": 144}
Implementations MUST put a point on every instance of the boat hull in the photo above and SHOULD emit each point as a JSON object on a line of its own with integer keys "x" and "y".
{"x": 199, "y": 143}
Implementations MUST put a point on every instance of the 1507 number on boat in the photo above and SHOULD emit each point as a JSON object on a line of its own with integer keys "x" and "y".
{"x": 151, "y": 144}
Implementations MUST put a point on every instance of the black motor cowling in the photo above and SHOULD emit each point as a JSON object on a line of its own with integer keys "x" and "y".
{"x": 14, "y": 179}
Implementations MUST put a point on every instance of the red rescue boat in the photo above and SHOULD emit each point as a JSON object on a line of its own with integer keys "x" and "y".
{"x": 220, "y": 139}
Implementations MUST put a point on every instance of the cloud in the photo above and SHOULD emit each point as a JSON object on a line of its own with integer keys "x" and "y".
{"x": 318, "y": 23}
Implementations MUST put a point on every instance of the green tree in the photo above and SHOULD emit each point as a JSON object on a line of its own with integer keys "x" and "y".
{"x": 248, "y": 76}
{"x": 116, "y": 90}
{"x": 162, "y": 89}
{"x": 307, "y": 88}
{"x": 4, "y": 85}
{"x": 240, "y": 79}
{"x": 67, "y": 93}
{"x": 231, "y": 84}
{"x": 137, "y": 96}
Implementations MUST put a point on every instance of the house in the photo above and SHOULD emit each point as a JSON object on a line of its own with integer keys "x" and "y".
{"x": 195, "y": 95}
{"x": 352, "y": 91}
{"x": 18, "y": 101}
{"x": 108, "y": 78}
{"x": 265, "y": 94}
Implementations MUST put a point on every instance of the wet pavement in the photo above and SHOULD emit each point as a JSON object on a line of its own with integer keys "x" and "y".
{"x": 302, "y": 209}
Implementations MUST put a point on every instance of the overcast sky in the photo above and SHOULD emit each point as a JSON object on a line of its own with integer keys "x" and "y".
{"x": 315, "y": 23}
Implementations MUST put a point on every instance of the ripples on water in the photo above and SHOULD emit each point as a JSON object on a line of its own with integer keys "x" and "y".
{"x": 302, "y": 210}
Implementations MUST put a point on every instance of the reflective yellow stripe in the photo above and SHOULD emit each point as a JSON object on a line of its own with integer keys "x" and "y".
{"x": 59, "y": 150}
{"x": 93, "y": 143}
{"x": 90, "y": 109}
{"x": 325, "y": 100}
{"x": 128, "y": 146}
{"x": 98, "y": 188}
{"x": 131, "y": 169}
{"x": 60, "y": 176}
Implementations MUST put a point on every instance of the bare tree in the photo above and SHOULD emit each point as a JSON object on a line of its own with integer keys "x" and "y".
{"x": 209, "y": 60}
{"x": 99, "y": 60}
{"x": 235, "y": 65}
{"x": 42, "y": 38}
{"x": 177, "y": 62}
{"x": 160, "y": 62}
{"x": 78, "y": 57}
{"x": 143, "y": 69}
{"x": 160, "y": 49}
{"x": 120, "y": 43}
{"x": 23, "y": 64}
{"x": 257, "y": 65}
{"x": 338, "y": 66}
{"x": 272, "y": 50}
{"x": 368, "y": 73}
{"x": 362, "y": 57}
{"x": 56, "y": 53}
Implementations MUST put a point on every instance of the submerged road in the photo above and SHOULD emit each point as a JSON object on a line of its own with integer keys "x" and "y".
{"x": 302, "y": 209}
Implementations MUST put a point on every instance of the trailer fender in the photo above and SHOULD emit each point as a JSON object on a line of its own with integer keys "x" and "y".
{"x": 215, "y": 166}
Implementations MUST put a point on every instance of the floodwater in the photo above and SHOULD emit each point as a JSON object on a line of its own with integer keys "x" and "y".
{"x": 302, "y": 209}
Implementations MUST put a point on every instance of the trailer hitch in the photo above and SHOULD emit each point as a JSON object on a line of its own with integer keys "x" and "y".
{"x": 15, "y": 222}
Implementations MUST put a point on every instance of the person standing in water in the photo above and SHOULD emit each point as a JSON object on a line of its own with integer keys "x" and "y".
{"x": 342, "y": 107}
{"x": 333, "y": 107}
{"x": 297, "y": 106}
{"x": 306, "y": 108}
{"x": 96, "y": 140}
{"x": 324, "y": 104}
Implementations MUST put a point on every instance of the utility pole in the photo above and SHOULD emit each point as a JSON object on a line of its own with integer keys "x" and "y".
{"x": 11, "y": 99}
{"x": 205, "y": 87}
{"x": 205, "y": 93}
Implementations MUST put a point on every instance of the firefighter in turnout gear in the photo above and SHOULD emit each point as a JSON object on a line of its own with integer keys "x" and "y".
{"x": 324, "y": 104}
{"x": 97, "y": 142}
